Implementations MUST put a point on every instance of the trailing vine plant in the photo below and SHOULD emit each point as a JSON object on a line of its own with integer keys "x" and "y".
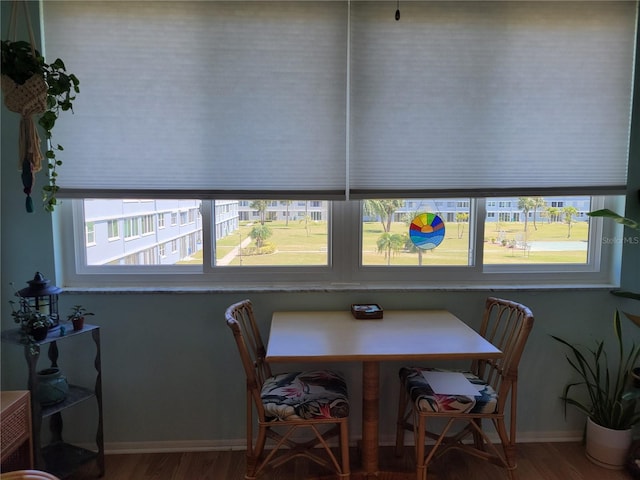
{"x": 32, "y": 86}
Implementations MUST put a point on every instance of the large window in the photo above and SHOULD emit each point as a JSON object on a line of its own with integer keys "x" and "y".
{"x": 502, "y": 120}
{"x": 421, "y": 242}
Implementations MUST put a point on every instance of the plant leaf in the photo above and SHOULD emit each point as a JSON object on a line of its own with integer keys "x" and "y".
{"x": 634, "y": 318}
{"x": 606, "y": 213}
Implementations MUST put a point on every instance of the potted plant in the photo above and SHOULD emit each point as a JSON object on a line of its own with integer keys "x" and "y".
{"x": 33, "y": 324}
{"x": 78, "y": 312}
{"x": 33, "y": 87}
{"x": 611, "y": 403}
{"x": 633, "y": 462}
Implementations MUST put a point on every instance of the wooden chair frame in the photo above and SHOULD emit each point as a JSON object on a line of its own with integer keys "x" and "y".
{"x": 506, "y": 324}
{"x": 241, "y": 321}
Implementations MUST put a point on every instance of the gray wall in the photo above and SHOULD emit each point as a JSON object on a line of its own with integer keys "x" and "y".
{"x": 171, "y": 374}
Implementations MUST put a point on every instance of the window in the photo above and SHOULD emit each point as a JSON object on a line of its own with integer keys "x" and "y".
{"x": 148, "y": 224}
{"x": 369, "y": 242}
{"x": 496, "y": 118}
{"x": 388, "y": 227}
{"x": 90, "y": 233}
{"x": 113, "y": 229}
{"x": 539, "y": 234}
{"x": 131, "y": 227}
{"x": 299, "y": 237}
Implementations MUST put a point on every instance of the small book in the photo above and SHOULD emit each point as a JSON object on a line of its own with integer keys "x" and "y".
{"x": 366, "y": 310}
{"x": 450, "y": 383}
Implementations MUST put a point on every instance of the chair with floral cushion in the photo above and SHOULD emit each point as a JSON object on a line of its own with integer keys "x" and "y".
{"x": 506, "y": 324}
{"x": 285, "y": 403}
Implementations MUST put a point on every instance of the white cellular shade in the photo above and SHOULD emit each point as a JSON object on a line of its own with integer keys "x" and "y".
{"x": 490, "y": 96}
{"x": 203, "y": 97}
{"x": 330, "y": 98}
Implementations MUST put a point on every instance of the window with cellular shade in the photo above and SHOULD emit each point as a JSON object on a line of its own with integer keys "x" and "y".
{"x": 202, "y": 98}
{"x": 322, "y": 99}
{"x": 488, "y": 97}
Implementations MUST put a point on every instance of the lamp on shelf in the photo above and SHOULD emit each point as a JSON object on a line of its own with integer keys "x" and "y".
{"x": 42, "y": 297}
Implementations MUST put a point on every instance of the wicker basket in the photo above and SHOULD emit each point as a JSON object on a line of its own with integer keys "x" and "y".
{"x": 26, "y": 99}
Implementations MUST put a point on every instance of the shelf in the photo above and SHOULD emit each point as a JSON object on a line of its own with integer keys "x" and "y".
{"x": 62, "y": 459}
{"x": 15, "y": 336}
{"x": 58, "y": 457}
{"x": 76, "y": 395}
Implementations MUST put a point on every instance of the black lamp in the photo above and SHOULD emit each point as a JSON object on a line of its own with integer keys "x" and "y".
{"x": 42, "y": 297}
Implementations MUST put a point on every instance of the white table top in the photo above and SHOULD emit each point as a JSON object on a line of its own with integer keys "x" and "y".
{"x": 400, "y": 335}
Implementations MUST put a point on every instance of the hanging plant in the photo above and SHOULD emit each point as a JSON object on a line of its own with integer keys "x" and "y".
{"x": 33, "y": 87}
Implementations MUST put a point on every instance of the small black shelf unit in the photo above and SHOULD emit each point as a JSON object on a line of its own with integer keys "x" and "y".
{"x": 58, "y": 457}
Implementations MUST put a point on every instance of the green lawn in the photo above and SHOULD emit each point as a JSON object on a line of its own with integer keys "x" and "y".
{"x": 297, "y": 245}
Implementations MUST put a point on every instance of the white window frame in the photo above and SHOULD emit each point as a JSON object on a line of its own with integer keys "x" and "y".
{"x": 113, "y": 229}
{"x": 344, "y": 271}
{"x": 90, "y": 233}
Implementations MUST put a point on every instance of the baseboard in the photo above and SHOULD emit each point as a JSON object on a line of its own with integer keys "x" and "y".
{"x": 239, "y": 444}
{"x": 173, "y": 446}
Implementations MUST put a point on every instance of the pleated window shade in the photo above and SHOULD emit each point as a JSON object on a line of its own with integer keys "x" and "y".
{"x": 203, "y": 98}
{"x": 335, "y": 99}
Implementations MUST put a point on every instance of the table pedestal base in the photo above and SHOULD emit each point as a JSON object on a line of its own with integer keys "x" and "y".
{"x": 379, "y": 476}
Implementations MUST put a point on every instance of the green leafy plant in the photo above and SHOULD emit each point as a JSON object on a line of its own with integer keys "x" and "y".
{"x": 634, "y": 225}
{"x": 610, "y": 403}
{"x": 20, "y": 62}
{"x": 77, "y": 312}
{"x": 606, "y": 213}
{"x": 29, "y": 321}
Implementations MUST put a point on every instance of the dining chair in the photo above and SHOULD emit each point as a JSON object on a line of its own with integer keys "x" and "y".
{"x": 28, "y": 475}
{"x": 506, "y": 324}
{"x": 287, "y": 403}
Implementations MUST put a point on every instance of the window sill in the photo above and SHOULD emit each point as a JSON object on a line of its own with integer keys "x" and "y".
{"x": 329, "y": 288}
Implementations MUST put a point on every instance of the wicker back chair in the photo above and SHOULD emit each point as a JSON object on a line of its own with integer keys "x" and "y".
{"x": 506, "y": 324}
{"x": 315, "y": 401}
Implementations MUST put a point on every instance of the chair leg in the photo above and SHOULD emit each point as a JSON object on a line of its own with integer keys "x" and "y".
{"x": 344, "y": 451}
{"x": 509, "y": 448}
{"x": 401, "y": 421}
{"x": 478, "y": 441}
{"x": 419, "y": 429}
{"x": 254, "y": 454}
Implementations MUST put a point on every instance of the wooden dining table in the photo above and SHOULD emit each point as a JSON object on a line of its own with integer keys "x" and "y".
{"x": 401, "y": 335}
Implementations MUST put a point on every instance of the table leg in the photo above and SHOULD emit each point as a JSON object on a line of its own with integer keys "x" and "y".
{"x": 370, "y": 416}
{"x": 370, "y": 419}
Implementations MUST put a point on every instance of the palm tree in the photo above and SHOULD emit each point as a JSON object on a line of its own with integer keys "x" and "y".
{"x": 526, "y": 204}
{"x": 259, "y": 234}
{"x": 553, "y": 213}
{"x": 538, "y": 202}
{"x": 287, "y": 204}
{"x": 261, "y": 207}
{"x": 384, "y": 210}
{"x": 390, "y": 243}
{"x": 410, "y": 247}
{"x": 461, "y": 219}
{"x": 569, "y": 212}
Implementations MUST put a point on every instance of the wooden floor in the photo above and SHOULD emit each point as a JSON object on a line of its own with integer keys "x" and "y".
{"x": 537, "y": 461}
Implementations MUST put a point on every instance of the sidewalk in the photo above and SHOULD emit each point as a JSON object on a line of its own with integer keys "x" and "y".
{"x": 226, "y": 260}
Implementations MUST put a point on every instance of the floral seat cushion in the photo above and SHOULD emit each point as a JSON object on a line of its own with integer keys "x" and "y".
{"x": 426, "y": 400}
{"x": 308, "y": 395}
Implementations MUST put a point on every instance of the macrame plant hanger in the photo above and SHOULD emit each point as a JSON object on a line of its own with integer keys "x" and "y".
{"x": 27, "y": 99}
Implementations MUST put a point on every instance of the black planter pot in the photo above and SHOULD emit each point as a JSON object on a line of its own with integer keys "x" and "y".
{"x": 39, "y": 333}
